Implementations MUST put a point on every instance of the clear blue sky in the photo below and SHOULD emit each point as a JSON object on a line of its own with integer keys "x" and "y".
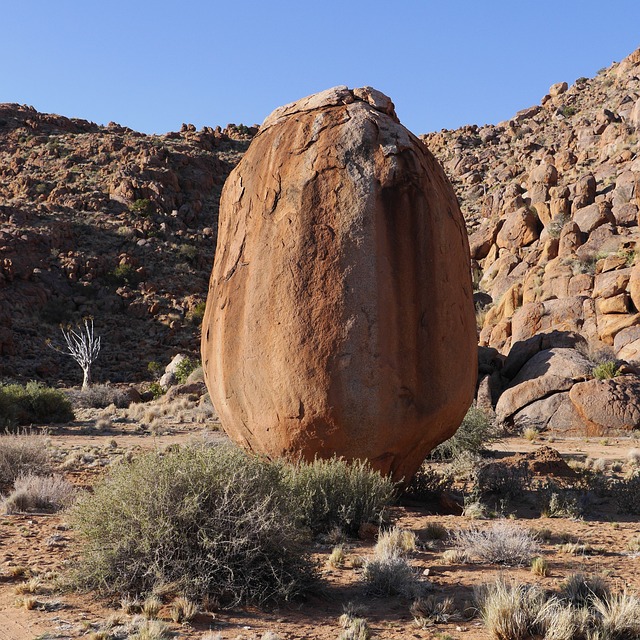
{"x": 153, "y": 65}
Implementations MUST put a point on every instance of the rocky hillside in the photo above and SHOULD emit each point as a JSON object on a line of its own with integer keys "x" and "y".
{"x": 551, "y": 201}
{"x": 106, "y": 222}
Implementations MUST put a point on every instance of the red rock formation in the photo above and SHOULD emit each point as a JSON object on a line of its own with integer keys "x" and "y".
{"x": 339, "y": 318}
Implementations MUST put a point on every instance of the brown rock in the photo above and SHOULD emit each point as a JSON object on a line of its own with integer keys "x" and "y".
{"x": 480, "y": 241}
{"x": 633, "y": 286}
{"x": 608, "y": 404}
{"x": 557, "y": 89}
{"x": 591, "y": 217}
{"x": 615, "y": 304}
{"x": 520, "y": 229}
{"x": 611, "y": 323}
{"x": 546, "y": 373}
{"x": 340, "y": 299}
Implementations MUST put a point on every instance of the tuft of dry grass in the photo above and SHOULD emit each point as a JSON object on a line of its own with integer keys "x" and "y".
{"x": 151, "y": 607}
{"x": 454, "y": 556}
{"x": 21, "y": 454}
{"x": 39, "y": 493}
{"x": 395, "y": 543}
{"x": 430, "y": 610}
{"x": 390, "y": 576}
{"x": 509, "y": 610}
{"x": 539, "y": 566}
{"x": 435, "y": 531}
{"x": 183, "y": 610}
{"x": 337, "y": 557}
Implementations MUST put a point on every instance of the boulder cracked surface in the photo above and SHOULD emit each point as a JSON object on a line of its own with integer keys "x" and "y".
{"x": 339, "y": 316}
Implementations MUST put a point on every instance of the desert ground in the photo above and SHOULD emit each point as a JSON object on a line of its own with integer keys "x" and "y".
{"x": 36, "y": 549}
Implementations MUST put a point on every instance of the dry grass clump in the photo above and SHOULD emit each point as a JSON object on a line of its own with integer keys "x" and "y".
{"x": 454, "y": 556}
{"x": 354, "y": 624}
{"x": 435, "y": 531}
{"x": 634, "y": 456}
{"x": 539, "y": 566}
{"x": 39, "y": 493}
{"x": 395, "y": 543}
{"x": 151, "y": 607}
{"x": 584, "y": 610}
{"x": 183, "y": 610}
{"x": 20, "y": 454}
{"x": 509, "y": 610}
{"x": 430, "y": 610}
{"x": 337, "y": 557}
{"x": 501, "y": 543}
{"x": 389, "y": 577}
{"x": 151, "y": 630}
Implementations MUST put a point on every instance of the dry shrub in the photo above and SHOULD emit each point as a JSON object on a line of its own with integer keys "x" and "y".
{"x": 39, "y": 493}
{"x": 21, "y": 454}
{"x": 211, "y": 519}
{"x": 100, "y": 396}
{"x": 501, "y": 543}
{"x": 618, "y": 615}
{"x": 390, "y": 577}
{"x": 337, "y": 557}
{"x": 476, "y": 432}
{"x": 183, "y": 610}
{"x": 335, "y": 494}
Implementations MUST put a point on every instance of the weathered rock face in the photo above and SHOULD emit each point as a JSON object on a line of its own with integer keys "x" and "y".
{"x": 339, "y": 317}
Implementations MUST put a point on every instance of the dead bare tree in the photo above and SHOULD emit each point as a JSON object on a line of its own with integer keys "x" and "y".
{"x": 82, "y": 346}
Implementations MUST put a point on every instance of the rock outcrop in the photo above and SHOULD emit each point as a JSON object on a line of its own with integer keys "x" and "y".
{"x": 339, "y": 316}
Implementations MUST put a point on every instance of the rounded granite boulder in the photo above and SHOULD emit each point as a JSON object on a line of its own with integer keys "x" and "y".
{"x": 339, "y": 316}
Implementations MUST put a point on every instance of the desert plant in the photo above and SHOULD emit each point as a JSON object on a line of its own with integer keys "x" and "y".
{"x": 431, "y": 610}
{"x": 142, "y": 207}
{"x": 580, "y": 589}
{"x": 389, "y": 577}
{"x": 33, "y": 403}
{"x": 606, "y": 370}
{"x": 473, "y": 435}
{"x": 435, "y": 531}
{"x": 39, "y": 493}
{"x": 100, "y": 396}
{"x": 509, "y": 610}
{"x": 337, "y": 556}
{"x": 626, "y": 493}
{"x": 82, "y": 345}
{"x": 618, "y": 615}
{"x": 184, "y": 368}
{"x": 455, "y": 556}
{"x": 501, "y": 543}
{"x": 428, "y": 483}
{"x": 539, "y": 566}
{"x": 213, "y": 520}
{"x": 395, "y": 543}
{"x": 21, "y": 454}
{"x": 333, "y": 493}
{"x": 151, "y": 607}
{"x": 355, "y": 627}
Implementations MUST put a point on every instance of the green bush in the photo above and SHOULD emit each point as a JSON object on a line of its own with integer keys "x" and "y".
{"x": 184, "y": 368}
{"x": 333, "y": 494}
{"x": 196, "y": 314}
{"x": 212, "y": 520}
{"x": 606, "y": 370}
{"x": 142, "y": 207}
{"x": 33, "y": 404}
{"x": 474, "y": 434}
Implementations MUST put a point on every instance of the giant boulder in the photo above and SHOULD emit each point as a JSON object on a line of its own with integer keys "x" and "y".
{"x": 339, "y": 317}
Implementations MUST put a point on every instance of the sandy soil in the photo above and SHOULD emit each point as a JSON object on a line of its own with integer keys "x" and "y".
{"x": 43, "y": 545}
